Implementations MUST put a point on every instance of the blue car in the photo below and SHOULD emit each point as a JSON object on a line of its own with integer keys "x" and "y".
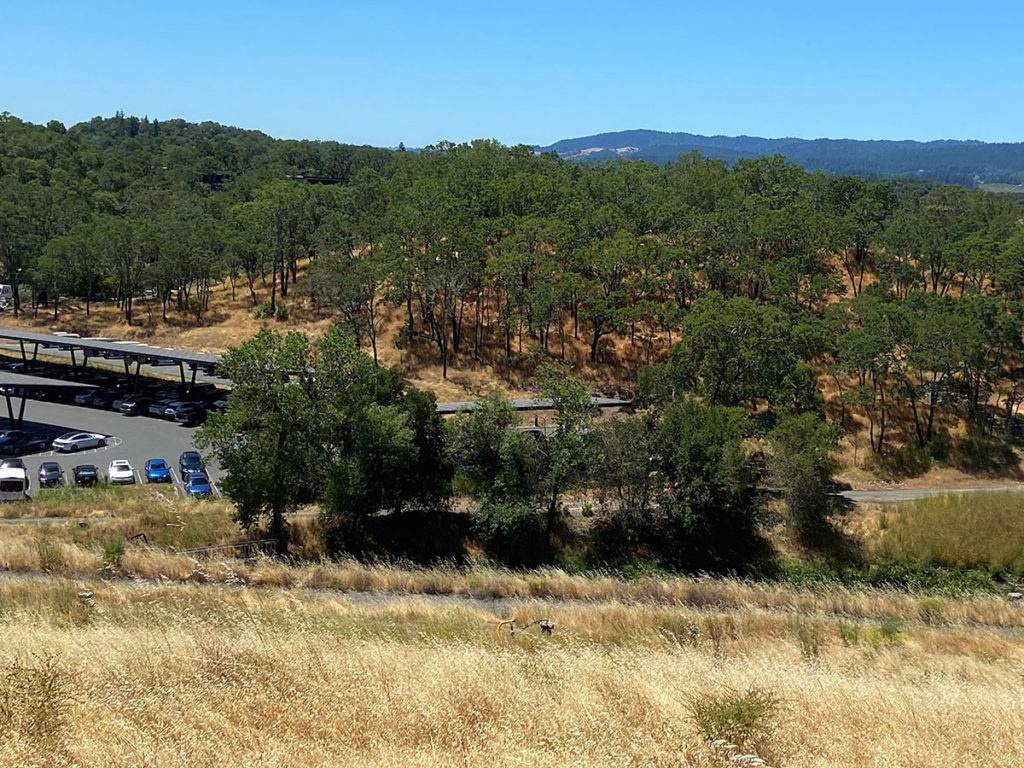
{"x": 198, "y": 485}
{"x": 157, "y": 471}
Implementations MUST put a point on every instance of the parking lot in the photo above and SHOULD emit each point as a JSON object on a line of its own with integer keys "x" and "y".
{"x": 135, "y": 438}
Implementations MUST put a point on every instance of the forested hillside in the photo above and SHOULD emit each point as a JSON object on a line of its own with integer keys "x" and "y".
{"x": 950, "y": 162}
{"x": 902, "y": 299}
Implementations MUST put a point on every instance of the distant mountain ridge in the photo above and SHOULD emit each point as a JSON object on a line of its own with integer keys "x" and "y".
{"x": 952, "y": 161}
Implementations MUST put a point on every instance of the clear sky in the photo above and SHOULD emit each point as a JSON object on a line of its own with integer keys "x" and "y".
{"x": 525, "y": 72}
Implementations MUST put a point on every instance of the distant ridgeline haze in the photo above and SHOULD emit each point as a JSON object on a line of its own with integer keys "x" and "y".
{"x": 970, "y": 163}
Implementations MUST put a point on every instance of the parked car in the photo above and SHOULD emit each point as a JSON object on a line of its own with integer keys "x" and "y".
{"x": 103, "y": 398}
{"x": 188, "y": 462}
{"x": 85, "y": 398}
{"x": 20, "y": 443}
{"x": 189, "y": 413}
{"x": 198, "y": 485}
{"x": 219, "y": 405}
{"x": 157, "y": 471}
{"x": 86, "y": 475}
{"x": 70, "y": 442}
{"x": 135, "y": 405}
{"x": 50, "y": 474}
{"x": 157, "y": 407}
{"x": 120, "y": 472}
{"x": 13, "y": 463}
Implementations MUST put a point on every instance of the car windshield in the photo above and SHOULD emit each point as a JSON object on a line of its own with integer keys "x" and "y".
{"x": 50, "y": 467}
{"x": 68, "y": 436}
{"x": 198, "y": 480}
{"x": 157, "y": 465}
{"x": 86, "y": 469}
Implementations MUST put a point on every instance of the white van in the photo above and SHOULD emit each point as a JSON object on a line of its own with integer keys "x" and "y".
{"x": 13, "y": 484}
{"x": 6, "y": 295}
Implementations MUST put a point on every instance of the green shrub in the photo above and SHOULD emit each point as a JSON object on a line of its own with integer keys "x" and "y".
{"x": 744, "y": 719}
{"x": 891, "y": 630}
{"x": 849, "y": 633}
{"x": 908, "y": 461}
{"x": 263, "y": 310}
{"x": 511, "y": 532}
{"x": 113, "y": 551}
{"x": 281, "y": 313}
{"x": 981, "y": 454}
{"x": 938, "y": 450}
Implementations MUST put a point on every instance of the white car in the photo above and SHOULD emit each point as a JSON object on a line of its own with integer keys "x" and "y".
{"x": 120, "y": 472}
{"x": 76, "y": 441}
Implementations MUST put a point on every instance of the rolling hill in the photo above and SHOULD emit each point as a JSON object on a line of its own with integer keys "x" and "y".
{"x": 961, "y": 162}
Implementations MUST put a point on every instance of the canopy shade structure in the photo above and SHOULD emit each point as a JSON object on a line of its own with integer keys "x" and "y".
{"x": 531, "y": 404}
{"x": 131, "y": 352}
{"x": 17, "y": 385}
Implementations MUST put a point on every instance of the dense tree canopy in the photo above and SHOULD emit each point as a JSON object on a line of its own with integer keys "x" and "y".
{"x": 906, "y": 294}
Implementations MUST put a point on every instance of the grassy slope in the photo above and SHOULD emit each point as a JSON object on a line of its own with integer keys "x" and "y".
{"x": 192, "y": 675}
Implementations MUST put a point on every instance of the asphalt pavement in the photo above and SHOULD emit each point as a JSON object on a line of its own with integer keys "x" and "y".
{"x": 136, "y": 438}
{"x": 896, "y": 495}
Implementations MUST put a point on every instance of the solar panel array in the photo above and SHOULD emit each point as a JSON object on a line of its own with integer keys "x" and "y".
{"x": 115, "y": 350}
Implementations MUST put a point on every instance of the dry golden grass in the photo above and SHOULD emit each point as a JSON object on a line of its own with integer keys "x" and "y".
{"x": 191, "y": 675}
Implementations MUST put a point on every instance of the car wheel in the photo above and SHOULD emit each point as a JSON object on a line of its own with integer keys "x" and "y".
{"x": 101, "y": 443}
{"x": 73, "y": 447}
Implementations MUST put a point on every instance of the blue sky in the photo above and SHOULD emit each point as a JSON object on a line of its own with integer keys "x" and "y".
{"x": 525, "y": 72}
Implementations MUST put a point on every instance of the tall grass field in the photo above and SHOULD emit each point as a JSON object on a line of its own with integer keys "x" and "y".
{"x": 190, "y": 675}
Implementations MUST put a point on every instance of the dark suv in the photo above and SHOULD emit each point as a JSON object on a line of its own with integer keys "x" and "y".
{"x": 190, "y": 461}
{"x": 86, "y": 474}
{"x": 50, "y": 474}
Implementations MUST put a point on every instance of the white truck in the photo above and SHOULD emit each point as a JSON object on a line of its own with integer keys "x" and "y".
{"x": 6, "y": 296}
{"x": 13, "y": 484}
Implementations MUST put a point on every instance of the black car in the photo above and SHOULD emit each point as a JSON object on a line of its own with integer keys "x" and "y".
{"x": 17, "y": 443}
{"x": 190, "y": 461}
{"x": 86, "y": 474}
{"x": 189, "y": 413}
{"x": 50, "y": 474}
{"x": 157, "y": 407}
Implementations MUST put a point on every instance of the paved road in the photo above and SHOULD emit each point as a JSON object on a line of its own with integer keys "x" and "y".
{"x": 135, "y": 438}
{"x": 895, "y": 495}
